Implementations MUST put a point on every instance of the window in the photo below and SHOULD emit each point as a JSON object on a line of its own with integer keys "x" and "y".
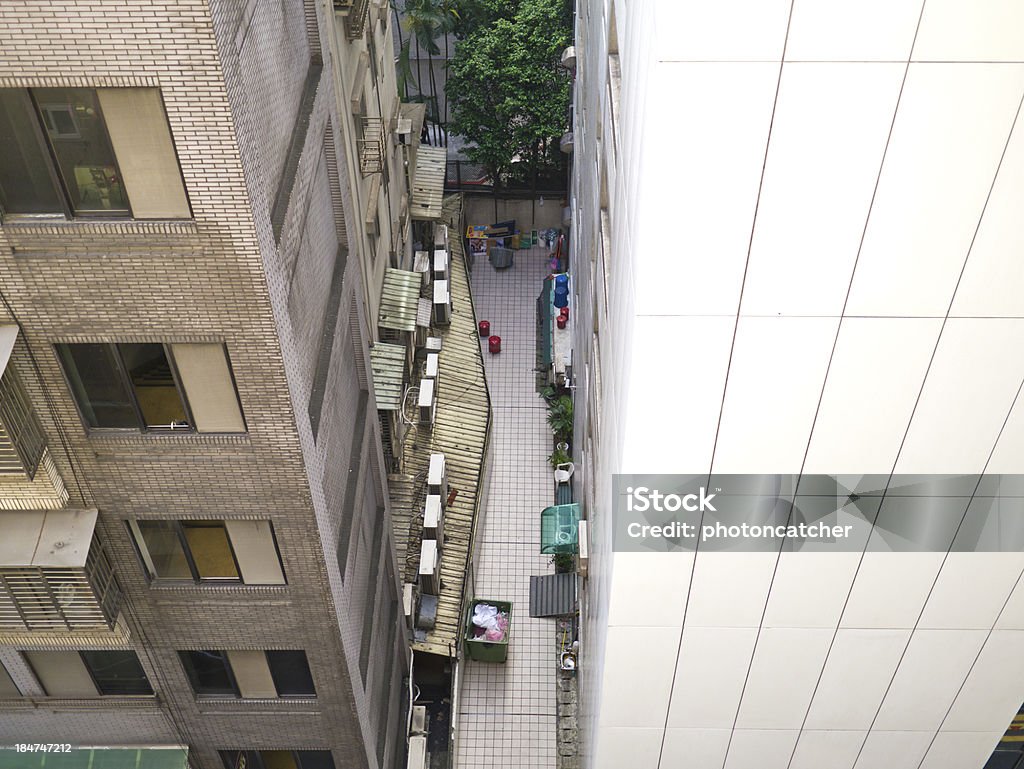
{"x": 89, "y": 673}
{"x": 153, "y": 387}
{"x": 209, "y": 551}
{"x": 116, "y": 672}
{"x": 277, "y": 759}
{"x": 209, "y": 673}
{"x": 8, "y": 689}
{"x": 88, "y": 152}
{"x": 249, "y": 674}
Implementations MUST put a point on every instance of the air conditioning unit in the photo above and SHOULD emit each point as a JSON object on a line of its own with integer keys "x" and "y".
{"x": 433, "y": 520}
{"x": 441, "y": 236}
{"x": 442, "y": 303}
{"x": 409, "y": 602}
{"x": 440, "y": 264}
{"x": 437, "y": 477}
{"x": 430, "y": 567}
{"x": 418, "y": 758}
{"x": 582, "y": 534}
{"x": 431, "y": 367}
{"x": 427, "y": 401}
{"x": 433, "y": 344}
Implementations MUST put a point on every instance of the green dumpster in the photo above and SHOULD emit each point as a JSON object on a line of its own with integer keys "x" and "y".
{"x": 477, "y": 647}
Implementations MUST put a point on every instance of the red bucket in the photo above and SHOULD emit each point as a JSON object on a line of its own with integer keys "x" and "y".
{"x": 561, "y": 321}
{"x": 485, "y": 327}
{"x": 494, "y": 345}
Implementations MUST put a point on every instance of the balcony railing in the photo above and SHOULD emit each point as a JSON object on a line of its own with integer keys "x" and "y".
{"x": 22, "y": 441}
{"x": 42, "y": 599}
{"x": 371, "y": 146}
{"x": 355, "y": 12}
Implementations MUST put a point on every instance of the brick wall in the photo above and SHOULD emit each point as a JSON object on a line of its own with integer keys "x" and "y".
{"x": 231, "y": 74}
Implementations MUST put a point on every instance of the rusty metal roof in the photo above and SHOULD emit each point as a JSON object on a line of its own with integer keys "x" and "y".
{"x": 399, "y": 299}
{"x": 388, "y": 364}
{"x": 460, "y": 433}
{"x": 428, "y": 183}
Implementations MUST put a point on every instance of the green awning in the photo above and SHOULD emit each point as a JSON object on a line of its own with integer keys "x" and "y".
{"x": 559, "y": 529}
{"x": 399, "y": 298}
{"x": 96, "y": 758}
{"x": 388, "y": 364}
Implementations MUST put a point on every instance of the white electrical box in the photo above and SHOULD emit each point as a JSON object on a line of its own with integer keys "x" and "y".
{"x": 442, "y": 303}
{"x": 433, "y": 520}
{"x": 433, "y": 343}
{"x": 437, "y": 476}
{"x": 417, "y": 752}
{"x": 584, "y": 547}
{"x": 427, "y": 401}
{"x": 408, "y": 599}
{"x": 430, "y": 567}
{"x": 441, "y": 236}
{"x": 419, "y": 720}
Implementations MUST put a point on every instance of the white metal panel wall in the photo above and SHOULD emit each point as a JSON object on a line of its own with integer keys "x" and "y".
{"x": 787, "y": 244}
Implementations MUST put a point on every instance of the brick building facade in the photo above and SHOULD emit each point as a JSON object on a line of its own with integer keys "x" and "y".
{"x": 260, "y": 279}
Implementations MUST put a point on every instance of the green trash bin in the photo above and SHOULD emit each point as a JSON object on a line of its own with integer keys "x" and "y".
{"x": 479, "y": 649}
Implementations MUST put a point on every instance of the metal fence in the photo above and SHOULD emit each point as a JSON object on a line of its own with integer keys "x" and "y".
{"x": 469, "y": 177}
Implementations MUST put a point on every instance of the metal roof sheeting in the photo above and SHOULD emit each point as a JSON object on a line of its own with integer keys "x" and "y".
{"x": 460, "y": 433}
{"x": 423, "y": 313}
{"x": 553, "y": 595}
{"x": 428, "y": 184}
{"x": 388, "y": 364}
{"x": 399, "y": 299}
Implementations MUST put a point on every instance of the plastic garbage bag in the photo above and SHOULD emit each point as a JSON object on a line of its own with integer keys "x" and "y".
{"x": 485, "y": 616}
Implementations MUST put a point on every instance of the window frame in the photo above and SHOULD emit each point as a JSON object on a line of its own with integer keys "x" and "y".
{"x": 28, "y": 101}
{"x": 254, "y": 757}
{"x": 95, "y": 680}
{"x": 274, "y": 677}
{"x": 26, "y": 658}
{"x": 39, "y": 134}
{"x": 233, "y": 680}
{"x": 55, "y": 170}
{"x": 121, "y": 370}
{"x": 227, "y": 667}
{"x": 145, "y": 559}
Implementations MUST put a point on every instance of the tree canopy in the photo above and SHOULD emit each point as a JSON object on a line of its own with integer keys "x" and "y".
{"x": 508, "y": 95}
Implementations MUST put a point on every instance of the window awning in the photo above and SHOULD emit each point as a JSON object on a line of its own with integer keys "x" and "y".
{"x": 388, "y": 364}
{"x": 172, "y": 757}
{"x": 46, "y": 538}
{"x": 399, "y": 299}
{"x": 553, "y": 595}
{"x": 8, "y": 336}
{"x": 428, "y": 184}
{"x": 559, "y": 529}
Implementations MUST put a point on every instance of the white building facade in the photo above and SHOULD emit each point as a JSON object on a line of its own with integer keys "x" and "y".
{"x": 796, "y": 250}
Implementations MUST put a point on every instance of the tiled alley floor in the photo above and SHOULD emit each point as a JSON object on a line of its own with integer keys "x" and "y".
{"x": 507, "y": 711}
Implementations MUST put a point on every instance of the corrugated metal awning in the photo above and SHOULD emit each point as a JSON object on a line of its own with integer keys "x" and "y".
{"x": 138, "y": 758}
{"x": 388, "y": 364}
{"x": 428, "y": 184}
{"x": 553, "y": 595}
{"x": 399, "y": 299}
